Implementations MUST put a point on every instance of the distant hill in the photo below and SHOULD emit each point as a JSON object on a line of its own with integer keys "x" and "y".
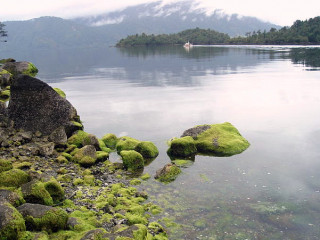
{"x": 158, "y": 18}
{"x": 107, "y": 29}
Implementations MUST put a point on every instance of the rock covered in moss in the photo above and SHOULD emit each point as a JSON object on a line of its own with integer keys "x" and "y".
{"x": 12, "y": 223}
{"x": 216, "y": 139}
{"x": 86, "y": 156}
{"x": 35, "y": 192}
{"x": 126, "y": 143}
{"x": 13, "y": 197}
{"x": 102, "y": 156}
{"x": 35, "y": 106}
{"x": 43, "y": 218}
{"x": 81, "y": 139}
{"x": 4, "y": 95}
{"x": 110, "y": 140}
{"x": 16, "y": 68}
{"x": 5, "y": 165}
{"x": 168, "y": 173}
{"x": 5, "y": 77}
{"x": 147, "y": 149}
{"x": 182, "y": 147}
{"x": 132, "y": 160}
{"x": 13, "y": 178}
{"x": 60, "y": 92}
{"x": 55, "y": 190}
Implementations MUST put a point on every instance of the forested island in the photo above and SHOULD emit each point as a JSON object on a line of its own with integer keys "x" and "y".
{"x": 301, "y": 32}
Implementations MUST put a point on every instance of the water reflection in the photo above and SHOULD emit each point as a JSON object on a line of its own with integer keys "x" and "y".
{"x": 309, "y": 57}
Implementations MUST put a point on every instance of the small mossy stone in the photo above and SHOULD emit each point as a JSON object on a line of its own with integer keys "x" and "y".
{"x": 15, "y": 198}
{"x": 5, "y": 165}
{"x": 79, "y": 138}
{"x": 13, "y": 178}
{"x": 55, "y": 190}
{"x": 110, "y": 140}
{"x": 86, "y": 156}
{"x": 145, "y": 177}
{"x": 32, "y": 70}
{"x": 12, "y": 223}
{"x": 102, "y": 156}
{"x": 147, "y": 149}
{"x": 132, "y": 160}
{"x": 182, "y": 147}
{"x": 60, "y": 92}
{"x": 183, "y": 163}
{"x": 126, "y": 143}
{"x": 168, "y": 173}
{"x": 135, "y": 182}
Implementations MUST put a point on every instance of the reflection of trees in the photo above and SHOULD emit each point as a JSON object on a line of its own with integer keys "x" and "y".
{"x": 309, "y": 57}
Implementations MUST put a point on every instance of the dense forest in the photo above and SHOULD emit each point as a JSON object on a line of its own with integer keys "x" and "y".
{"x": 301, "y": 32}
{"x": 3, "y": 32}
{"x": 195, "y": 36}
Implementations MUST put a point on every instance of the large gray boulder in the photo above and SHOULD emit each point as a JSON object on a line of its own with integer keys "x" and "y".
{"x": 35, "y": 106}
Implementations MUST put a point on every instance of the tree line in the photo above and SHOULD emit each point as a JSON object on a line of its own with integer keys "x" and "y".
{"x": 301, "y": 32}
{"x": 3, "y": 32}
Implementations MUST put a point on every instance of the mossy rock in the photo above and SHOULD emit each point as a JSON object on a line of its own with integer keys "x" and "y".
{"x": 12, "y": 223}
{"x": 55, "y": 190}
{"x": 102, "y": 156}
{"x": 32, "y": 70}
{"x": 81, "y": 139}
{"x": 168, "y": 173}
{"x": 4, "y": 95}
{"x": 13, "y": 178}
{"x": 5, "y": 165}
{"x": 182, "y": 147}
{"x": 221, "y": 140}
{"x": 147, "y": 149}
{"x": 15, "y": 198}
{"x": 183, "y": 163}
{"x": 110, "y": 140}
{"x": 43, "y": 218}
{"x": 60, "y": 92}
{"x": 132, "y": 160}
{"x": 35, "y": 192}
{"x": 86, "y": 156}
{"x": 126, "y": 143}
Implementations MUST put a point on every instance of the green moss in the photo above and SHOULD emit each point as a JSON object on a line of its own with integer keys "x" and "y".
{"x": 60, "y": 92}
{"x": 136, "y": 219}
{"x": 135, "y": 182}
{"x": 145, "y": 176}
{"x": 31, "y": 71}
{"x": 80, "y": 138}
{"x": 13, "y": 178}
{"x": 183, "y": 163}
{"x": 147, "y": 149}
{"x": 157, "y": 228}
{"x": 22, "y": 165}
{"x": 77, "y": 181}
{"x": 222, "y": 140}
{"x": 53, "y": 220}
{"x": 110, "y": 140}
{"x": 5, "y": 165}
{"x": 61, "y": 159}
{"x": 87, "y": 161}
{"x": 102, "y": 156}
{"x": 141, "y": 233}
{"x": 126, "y": 143}
{"x": 55, "y": 190}
{"x": 86, "y": 217}
{"x": 182, "y": 147}
{"x": 132, "y": 160}
{"x": 14, "y": 226}
{"x": 67, "y": 156}
{"x": 5, "y": 95}
{"x": 64, "y": 178}
{"x": 89, "y": 180}
{"x": 70, "y": 148}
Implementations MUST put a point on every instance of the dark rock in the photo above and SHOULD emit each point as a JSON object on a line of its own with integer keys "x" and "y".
{"x": 46, "y": 149}
{"x": 93, "y": 234}
{"x": 195, "y": 131}
{"x": 11, "y": 222}
{"x": 43, "y": 218}
{"x": 35, "y": 192}
{"x": 58, "y": 136}
{"x": 35, "y": 106}
{"x": 72, "y": 222}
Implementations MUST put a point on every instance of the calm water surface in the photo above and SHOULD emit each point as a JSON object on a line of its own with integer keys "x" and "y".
{"x": 271, "y": 94}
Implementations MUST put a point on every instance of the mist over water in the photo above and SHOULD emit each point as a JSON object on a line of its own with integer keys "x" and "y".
{"x": 271, "y": 94}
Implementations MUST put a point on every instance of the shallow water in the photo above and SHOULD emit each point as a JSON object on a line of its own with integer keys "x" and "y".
{"x": 270, "y": 93}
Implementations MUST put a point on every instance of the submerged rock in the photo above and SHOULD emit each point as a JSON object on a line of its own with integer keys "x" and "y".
{"x": 168, "y": 173}
{"x": 216, "y": 139}
{"x": 35, "y": 106}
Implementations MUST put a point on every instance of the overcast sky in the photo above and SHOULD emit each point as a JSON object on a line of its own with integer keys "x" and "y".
{"x": 282, "y": 12}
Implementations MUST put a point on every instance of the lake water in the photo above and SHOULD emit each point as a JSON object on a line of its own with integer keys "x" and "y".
{"x": 271, "y": 94}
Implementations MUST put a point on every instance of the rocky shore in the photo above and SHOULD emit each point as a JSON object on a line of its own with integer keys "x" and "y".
{"x": 56, "y": 181}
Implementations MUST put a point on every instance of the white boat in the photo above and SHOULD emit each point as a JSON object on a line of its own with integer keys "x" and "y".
{"x": 188, "y": 45}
